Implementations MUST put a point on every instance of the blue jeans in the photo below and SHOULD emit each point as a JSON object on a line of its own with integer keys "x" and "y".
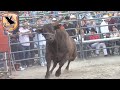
{"x": 26, "y": 54}
{"x": 42, "y": 54}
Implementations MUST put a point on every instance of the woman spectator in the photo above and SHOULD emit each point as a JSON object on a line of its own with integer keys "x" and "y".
{"x": 114, "y": 33}
{"x": 92, "y": 24}
{"x": 84, "y": 23}
{"x": 85, "y": 46}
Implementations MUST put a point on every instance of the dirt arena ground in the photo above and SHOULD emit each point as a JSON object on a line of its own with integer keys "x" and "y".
{"x": 97, "y": 68}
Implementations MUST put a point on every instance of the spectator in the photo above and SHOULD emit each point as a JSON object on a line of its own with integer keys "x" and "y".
{"x": 54, "y": 20}
{"x": 118, "y": 21}
{"x": 33, "y": 15}
{"x": 44, "y": 20}
{"x": 97, "y": 45}
{"x": 40, "y": 22}
{"x": 26, "y": 13}
{"x": 48, "y": 19}
{"x": 71, "y": 32}
{"x": 111, "y": 21}
{"x": 104, "y": 29}
{"x": 114, "y": 33}
{"x": 55, "y": 13}
{"x": 84, "y": 23}
{"x": 23, "y": 38}
{"x": 41, "y": 45}
{"x": 85, "y": 46}
{"x": 92, "y": 24}
{"x": 32, "y": 53}
{"x": 73, "y": 17}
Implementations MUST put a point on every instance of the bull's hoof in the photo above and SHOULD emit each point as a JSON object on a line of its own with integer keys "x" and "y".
{"x": 47, "y": 77}
{"x": 50, "y": 72}
{"x": 67, "y": 68}
{"x": 57, "y": 74}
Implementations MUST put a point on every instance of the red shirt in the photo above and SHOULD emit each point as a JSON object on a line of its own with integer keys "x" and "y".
{"x": 92, "y": 37}
{"x": 1, "y": 29}
{"x": 4, "y": 47}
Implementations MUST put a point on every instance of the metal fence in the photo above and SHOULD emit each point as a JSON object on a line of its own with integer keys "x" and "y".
{"x": 80, "y": 43}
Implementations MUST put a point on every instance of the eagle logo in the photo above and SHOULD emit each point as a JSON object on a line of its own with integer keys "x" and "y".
{"x": 10, "y": 21}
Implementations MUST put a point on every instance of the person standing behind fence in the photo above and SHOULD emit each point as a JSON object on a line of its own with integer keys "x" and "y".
{"x": 32, "y": 53}
{"x": 73, "y": 17}
{"x": 84, "y": 23}
{"x": 69, "y": 25}
{"x": 23, "y": 38}
{"x": 115, "y": 33}
{"x": 42, "y": 49}
{"x": 104, "y": 29}
{"x": 41, "y": 44}
{"x": 118, "y": 21}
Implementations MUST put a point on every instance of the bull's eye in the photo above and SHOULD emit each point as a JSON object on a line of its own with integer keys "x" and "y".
{"x": 57, "y": 26}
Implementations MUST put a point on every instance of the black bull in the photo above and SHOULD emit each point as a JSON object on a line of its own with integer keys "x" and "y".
{"x": 60, "y": 47}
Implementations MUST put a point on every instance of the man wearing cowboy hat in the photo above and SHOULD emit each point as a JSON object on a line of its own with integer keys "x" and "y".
{"x": 68, "y": 25}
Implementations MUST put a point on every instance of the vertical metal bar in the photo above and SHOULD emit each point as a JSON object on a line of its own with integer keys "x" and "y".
{"x": 80, "y": 38}
{"x": 9, "y": 55}
{"x": 5, "y": 65}
{"x": 38, "y": 47}
{"x": 77, "y": 30}
{"x": 77, "y": 16}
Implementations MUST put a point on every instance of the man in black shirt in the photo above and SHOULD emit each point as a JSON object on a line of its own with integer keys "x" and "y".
{"x": 67, "y": 25}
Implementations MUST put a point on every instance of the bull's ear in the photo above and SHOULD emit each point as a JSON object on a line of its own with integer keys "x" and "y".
{"x": 39, "y": 30}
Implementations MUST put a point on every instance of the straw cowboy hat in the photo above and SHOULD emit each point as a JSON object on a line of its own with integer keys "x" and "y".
{"x": 72, "y": 17}
{"x": 110, "y": 14}
{"x": 105, "y": 17}
{"x": 54, "y": 19}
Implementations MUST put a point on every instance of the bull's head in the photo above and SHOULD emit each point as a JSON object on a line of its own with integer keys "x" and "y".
{"x": 49, "y": 30}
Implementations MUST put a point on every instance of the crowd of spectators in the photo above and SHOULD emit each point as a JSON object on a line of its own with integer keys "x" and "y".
{"x": 103, "y": 30}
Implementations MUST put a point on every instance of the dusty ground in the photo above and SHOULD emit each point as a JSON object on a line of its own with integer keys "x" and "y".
{"x": 97, "y": 68}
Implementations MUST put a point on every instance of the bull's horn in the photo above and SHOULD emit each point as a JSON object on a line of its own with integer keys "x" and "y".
{"x": 56, "y": 23}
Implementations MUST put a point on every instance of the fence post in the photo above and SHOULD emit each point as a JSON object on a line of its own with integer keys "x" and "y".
{"x": 77, "y": 14}
{"x": 9, "y": 55}
{"x": 80, "y": 38}
{"x": 38, "y": 47}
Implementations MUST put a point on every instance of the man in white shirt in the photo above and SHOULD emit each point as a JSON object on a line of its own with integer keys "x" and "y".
{"x": 24, "y": 37}
{"x": 104, "y": 29}
{"x": 41, "y": 45}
